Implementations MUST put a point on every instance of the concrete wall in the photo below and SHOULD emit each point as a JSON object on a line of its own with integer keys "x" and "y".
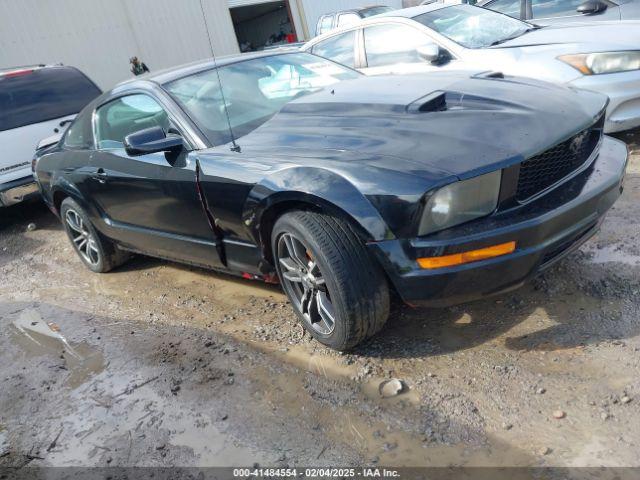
{"x": 99, "y": 36}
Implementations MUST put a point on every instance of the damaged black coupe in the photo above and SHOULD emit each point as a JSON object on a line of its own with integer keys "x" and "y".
{"x": 438, "y": 188}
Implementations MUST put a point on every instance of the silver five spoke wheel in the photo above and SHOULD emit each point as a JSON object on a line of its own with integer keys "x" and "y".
{"x": 82, "y": 237}
{"x": 301, "y": 276}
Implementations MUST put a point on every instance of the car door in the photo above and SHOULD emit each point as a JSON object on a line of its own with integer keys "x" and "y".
{"x": 149, "y": 202}
{"x": 393, "y": 49}
{"x": 547, "y": 12}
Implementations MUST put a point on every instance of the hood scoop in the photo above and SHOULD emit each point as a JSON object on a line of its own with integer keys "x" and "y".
{"x": 434, "y": 102}
{"x": 440, "y": 101}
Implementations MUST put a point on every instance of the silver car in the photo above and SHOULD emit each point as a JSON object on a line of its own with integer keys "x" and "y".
{"x": 547, "y": 12}
{"x": 601, "y": 56}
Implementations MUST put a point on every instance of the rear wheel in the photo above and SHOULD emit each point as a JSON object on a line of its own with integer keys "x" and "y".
{"x": 336, "y": 289}
{"x": 97, "y": 253}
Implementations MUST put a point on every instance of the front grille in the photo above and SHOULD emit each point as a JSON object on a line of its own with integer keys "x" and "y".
{"x": 544, "y": 170}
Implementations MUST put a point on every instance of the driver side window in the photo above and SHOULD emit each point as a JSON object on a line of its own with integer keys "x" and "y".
{"x": 393, "y": 44}
{"x": 119, "y": 118}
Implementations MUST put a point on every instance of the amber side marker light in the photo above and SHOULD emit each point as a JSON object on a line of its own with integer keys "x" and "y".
{"x": 467, "y": 257}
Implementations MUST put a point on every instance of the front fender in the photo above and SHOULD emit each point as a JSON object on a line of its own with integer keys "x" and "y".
{"x": 314, "y": 186}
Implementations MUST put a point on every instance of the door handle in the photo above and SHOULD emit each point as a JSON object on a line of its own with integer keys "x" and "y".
{"x": 100, "y": 175}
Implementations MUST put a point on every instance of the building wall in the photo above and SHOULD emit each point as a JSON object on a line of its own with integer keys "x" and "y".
{"x": 99, "y": 36}
{"x": 314, "y": 9}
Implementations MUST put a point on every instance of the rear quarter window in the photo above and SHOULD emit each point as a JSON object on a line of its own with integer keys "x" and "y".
{"x": 79, "y": 135}
{"x": 339, "y": 48}
{"x": 43, "y": 94}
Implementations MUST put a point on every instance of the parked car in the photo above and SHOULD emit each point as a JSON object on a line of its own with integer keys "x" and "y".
{"x": 602, "y": 57}
{"x": 442, "y": 188}
{"x": 343, "y": 18}
{"x": 546, "y": 12}
{"x": 35, "y": 102}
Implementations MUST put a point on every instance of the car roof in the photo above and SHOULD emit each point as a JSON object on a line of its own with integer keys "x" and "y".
{"x": 368, "y": 7}
{"x": 24, "y": 68}
{"x": 354, "y": 9}
{"x": 169, "y": 74}
{"x": 414, "y": 11}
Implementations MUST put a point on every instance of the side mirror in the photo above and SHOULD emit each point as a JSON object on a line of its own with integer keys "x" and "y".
{"x": 429, "y": 52}
{"x": 152, "y": 140}
{"x": 592, "y": 6}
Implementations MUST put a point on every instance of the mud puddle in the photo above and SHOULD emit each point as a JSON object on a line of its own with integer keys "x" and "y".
{"x": 117, "y": 428}
{"x": 36, "y": 338}
{"x": 613, "y": 254}
{"x": 381, "y": 441}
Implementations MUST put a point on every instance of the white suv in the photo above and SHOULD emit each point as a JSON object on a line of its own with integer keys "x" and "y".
{"x": 35, "y": 102}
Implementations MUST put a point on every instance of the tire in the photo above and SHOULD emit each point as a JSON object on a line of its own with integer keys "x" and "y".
{"x": 96, "y": 252}
{"x": 339, "y": 270}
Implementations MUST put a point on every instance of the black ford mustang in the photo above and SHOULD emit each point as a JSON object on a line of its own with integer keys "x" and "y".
{"x": 442, "y": 188}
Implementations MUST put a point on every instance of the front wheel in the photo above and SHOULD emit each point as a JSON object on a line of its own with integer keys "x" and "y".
{"x": 339, "y": 293}
{"x": 96, "y": 252}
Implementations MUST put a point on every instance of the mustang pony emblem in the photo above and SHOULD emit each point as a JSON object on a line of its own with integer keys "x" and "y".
{"x": 578, "y": 142}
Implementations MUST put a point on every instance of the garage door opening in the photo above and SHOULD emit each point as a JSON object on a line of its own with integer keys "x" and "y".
{"x": 263, "y": 25}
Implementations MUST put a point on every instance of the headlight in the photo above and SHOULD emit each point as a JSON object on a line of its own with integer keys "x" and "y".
{"x": 460, "y": 202}
{"x": 605, "y": 62}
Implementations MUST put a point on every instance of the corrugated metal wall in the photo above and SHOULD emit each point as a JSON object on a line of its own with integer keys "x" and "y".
{"x": 99, "y": 36}
{"x": 313, "y": 9}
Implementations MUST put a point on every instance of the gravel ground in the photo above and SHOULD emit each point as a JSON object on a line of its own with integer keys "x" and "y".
{"x": 158, "y": 364}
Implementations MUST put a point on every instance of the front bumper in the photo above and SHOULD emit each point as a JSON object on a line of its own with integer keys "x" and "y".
{"x": 17, "y": 191}
{"x": 545, "y": 231}
{"x": 623, "y": 90}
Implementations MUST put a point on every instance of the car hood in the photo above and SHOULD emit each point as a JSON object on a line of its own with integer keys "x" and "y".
{"x": 600, "y": 36}
{"x": 420, "y": 124}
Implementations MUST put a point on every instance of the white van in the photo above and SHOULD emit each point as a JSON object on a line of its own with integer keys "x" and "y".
{"x": 35, "y": 102}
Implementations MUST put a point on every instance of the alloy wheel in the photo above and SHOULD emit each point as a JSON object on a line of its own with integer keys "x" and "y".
{"x": 302, "y": 279}
{"x": 82, "y": 238}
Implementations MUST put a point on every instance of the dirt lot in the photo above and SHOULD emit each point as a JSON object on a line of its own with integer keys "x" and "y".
{"x": 158, "y": 364}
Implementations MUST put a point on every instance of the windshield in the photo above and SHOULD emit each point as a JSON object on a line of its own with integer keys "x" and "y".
{"x": 370, "y": 12}
{"x": 254, "y": 91}
{"x": 473, "y": 27}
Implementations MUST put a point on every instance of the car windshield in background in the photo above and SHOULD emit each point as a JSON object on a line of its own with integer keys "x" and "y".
{"x": 34, "y": 96}
{"x": 473, "y": 27}
{"x": 254, "y": 91}
{"x": 370, "y": 12}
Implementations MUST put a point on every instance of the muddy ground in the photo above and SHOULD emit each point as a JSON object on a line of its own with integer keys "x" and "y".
{"x": 158, "y": 364}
